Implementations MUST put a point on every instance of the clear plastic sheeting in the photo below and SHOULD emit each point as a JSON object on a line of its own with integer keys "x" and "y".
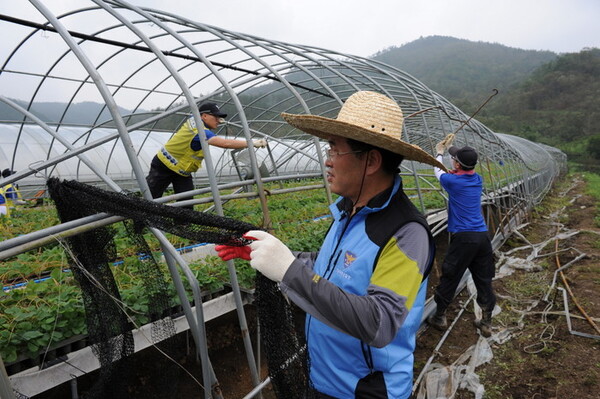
{"x": 442, "y": 382}
{"x": 37, "y": 145}
{"x": 476, "y": 308}
{"x": 507, "y": 265}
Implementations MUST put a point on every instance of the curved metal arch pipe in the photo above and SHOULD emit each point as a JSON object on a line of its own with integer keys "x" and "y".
{"x": 200, "y": 336}
{"x": 45, "y": 75}
{"x": 216, "y": 194}
{"x": 408, "y": 83}
{"x": 121, "y": 128}
{"x": 310, "y": 80}
{"x": 242, "y": 115}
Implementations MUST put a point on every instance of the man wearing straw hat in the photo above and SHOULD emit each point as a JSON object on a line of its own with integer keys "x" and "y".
{"x": 470, "y": 246}
{"x": 364, "y": 291}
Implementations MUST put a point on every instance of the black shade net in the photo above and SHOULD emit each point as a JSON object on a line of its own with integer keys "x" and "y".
{"x": 109, "y": 327}
{"x": 283, "y": 340}
{"x": 183, "y": 222}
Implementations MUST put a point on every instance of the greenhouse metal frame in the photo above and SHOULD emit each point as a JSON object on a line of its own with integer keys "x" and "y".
{"x": 144, "y": 71}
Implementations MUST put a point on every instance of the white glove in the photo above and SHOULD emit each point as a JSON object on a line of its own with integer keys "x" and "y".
{"x": 260, "y": 143}
{"x": 443, "y": 145}
{"x": 440, "y": 148}
{"x": 269, "y": 255}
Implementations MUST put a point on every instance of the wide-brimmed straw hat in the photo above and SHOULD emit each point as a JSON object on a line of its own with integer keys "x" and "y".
{"x": 367, "y": 117}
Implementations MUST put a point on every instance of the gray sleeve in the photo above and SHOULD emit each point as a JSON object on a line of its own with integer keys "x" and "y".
{"x": 308, "y": 258}
{"x": 373, "y": 318}
{"x": 352, "y": 314}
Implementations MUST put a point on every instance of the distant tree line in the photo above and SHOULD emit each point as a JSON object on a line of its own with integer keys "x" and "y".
{"x": 544, "y": 97}
{"x": 558, "y": 105}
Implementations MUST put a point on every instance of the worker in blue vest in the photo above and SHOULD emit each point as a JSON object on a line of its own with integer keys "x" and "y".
{"x": 364, "y": 290}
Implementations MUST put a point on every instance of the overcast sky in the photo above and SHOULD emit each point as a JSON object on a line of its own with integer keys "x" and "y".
{"x": 353, "y": 27}
{"x": 365, "y": 27}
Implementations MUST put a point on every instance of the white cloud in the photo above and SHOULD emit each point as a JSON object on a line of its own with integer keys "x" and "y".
{"x": 363, "y": 28}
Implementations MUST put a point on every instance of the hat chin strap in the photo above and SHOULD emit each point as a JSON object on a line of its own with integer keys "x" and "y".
{"x": 362, "y": 184}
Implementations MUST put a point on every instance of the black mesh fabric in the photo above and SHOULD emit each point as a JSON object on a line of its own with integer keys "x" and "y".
{"x": 284, "y": 342}
{"x": 183, "y": 222}
{"x": 109, "y": 329}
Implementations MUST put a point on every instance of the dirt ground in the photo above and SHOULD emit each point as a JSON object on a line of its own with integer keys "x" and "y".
{"x": 535, "y": 356}
{"x": 541, "y": 358}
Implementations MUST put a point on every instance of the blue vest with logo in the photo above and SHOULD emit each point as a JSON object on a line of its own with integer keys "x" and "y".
{"x": 348, "y": 258}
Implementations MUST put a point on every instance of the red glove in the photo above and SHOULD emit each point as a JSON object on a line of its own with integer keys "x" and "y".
{"x": 227, "y": 252}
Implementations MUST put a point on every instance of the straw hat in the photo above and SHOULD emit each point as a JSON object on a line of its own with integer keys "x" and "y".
{"x": 367, "y": 117}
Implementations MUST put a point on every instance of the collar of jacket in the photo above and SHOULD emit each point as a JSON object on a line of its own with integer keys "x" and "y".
{"x": 462, "y": 172}
{"x": 343, "y": 206}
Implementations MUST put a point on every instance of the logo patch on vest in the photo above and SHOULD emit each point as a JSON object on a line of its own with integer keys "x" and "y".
{"x": 349, "y": 258}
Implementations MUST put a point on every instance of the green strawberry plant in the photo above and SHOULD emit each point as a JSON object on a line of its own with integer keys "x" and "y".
{"x": 48, "y": 308}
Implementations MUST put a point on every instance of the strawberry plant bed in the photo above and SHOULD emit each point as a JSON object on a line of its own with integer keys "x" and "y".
{"x": 42, "y": 303}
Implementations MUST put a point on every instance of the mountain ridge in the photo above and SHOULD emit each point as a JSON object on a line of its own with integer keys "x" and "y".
{"x": 471, "y": 70}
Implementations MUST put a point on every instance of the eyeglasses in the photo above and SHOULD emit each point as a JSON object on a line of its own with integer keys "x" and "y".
{"x": 331, "y": 154}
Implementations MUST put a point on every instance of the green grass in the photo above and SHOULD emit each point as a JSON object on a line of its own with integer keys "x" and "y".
{"x": 593, "y": 189}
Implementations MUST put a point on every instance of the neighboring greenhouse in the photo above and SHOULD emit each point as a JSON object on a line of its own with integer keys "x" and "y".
{"x": 112, "y": 82}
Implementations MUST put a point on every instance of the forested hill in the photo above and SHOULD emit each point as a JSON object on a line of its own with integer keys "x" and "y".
{"x": 558, "y": 104}
{"x": 544, "y": 97}
{"x": 463, "y": 71}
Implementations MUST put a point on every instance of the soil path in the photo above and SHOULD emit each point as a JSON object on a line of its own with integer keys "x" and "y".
{"x": 541, "y": 358}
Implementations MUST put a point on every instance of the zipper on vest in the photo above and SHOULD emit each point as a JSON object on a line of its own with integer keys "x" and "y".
{"x": 329, "y": 269}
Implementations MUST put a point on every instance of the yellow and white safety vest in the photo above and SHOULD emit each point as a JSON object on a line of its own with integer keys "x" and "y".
{"x": 177, "y": 153}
